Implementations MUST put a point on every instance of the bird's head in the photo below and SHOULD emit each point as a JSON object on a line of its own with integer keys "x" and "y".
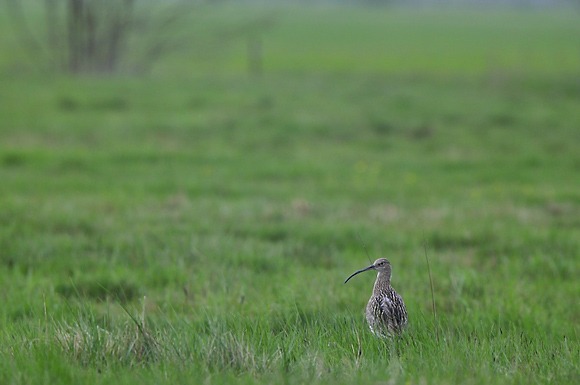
{"x": 382, "y": 265}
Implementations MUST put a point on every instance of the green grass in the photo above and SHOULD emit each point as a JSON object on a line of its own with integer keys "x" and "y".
{"x": 183, "y": 228}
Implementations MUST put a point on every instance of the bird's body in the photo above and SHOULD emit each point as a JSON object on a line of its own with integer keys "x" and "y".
{"x": 386, "y": 312}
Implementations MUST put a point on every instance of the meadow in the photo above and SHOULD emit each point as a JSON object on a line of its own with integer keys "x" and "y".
{"x": 196, "y": 225}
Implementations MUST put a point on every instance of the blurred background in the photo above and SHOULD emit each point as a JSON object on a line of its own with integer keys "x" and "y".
{"x": 229, "y": 160}
{"x": 285, "y": 128}
{"x": 194, "y": 37}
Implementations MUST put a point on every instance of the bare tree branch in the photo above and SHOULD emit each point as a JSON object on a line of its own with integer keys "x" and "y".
{"x": 27, "y": 38}
{"x": 107, "y": 36}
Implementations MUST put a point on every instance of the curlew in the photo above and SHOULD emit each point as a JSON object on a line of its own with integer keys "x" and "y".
{"x": 386, "y": 312}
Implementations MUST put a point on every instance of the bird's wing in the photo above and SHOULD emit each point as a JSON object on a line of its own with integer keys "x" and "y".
{"x": 386, "y": 304}
{"x": 393, "y": 308}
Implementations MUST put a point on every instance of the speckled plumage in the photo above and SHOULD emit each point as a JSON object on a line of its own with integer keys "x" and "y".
{"x": 385, "y": 312}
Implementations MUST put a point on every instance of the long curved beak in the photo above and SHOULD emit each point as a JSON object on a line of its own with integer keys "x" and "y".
{"x": 371, "y": 267}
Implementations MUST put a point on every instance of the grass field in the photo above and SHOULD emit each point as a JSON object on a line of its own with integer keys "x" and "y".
{"x": 192, "y": 228}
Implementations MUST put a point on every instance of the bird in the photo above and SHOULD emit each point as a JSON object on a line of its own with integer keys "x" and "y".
{"x": 386, "y": 313}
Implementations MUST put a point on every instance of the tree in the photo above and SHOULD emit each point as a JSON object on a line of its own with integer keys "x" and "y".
{"x": 95, "y": 36}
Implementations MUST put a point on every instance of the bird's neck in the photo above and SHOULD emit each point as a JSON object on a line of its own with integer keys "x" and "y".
{"x": 382, "y": 283}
